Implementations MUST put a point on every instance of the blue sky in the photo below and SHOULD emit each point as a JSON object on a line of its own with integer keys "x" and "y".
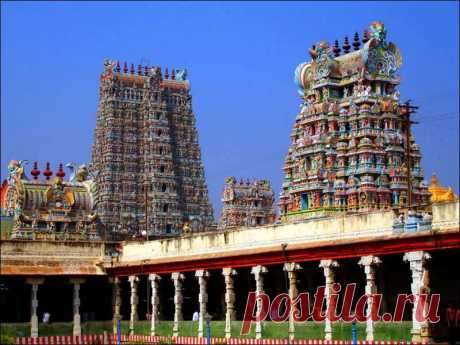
{"x": 241, "y": 59}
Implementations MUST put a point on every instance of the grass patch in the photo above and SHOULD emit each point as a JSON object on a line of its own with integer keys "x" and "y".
{"x": 307, "y": 330}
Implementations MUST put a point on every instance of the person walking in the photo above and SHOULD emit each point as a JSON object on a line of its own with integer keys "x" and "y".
{"x": 196, "y": 316}
{"x": 46, "y": 317}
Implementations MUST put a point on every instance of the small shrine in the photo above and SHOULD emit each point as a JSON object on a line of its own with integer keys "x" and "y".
{"x": 351, "y": 149}
{"x": 439, "y": 193}
{"x": 50, "y": 208}
{"x": 247, "y": 203}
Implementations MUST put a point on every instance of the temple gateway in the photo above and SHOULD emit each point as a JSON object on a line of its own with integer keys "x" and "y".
{"x": 132, "y": 235}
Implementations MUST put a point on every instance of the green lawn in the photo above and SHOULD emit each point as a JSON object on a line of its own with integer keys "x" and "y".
{"x": 308, "y": 330}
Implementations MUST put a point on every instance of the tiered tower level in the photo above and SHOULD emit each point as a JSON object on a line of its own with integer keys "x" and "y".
{"x": 247, "y": 203}
{"x": 146, "y": 156}
{"x": 351, "y": 150}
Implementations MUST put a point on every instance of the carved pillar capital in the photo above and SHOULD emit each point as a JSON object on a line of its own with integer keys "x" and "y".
{"x": 201, "y": 274}
{"x": 154, "y": 276}
{"x": 328, "y": 263}
{"x": 369, "y": 260}
{"x": 133, "y": 279}
{"x": 258, "y": 272}
{"x": 177, "y": 276}
{"x": 35, "y": 281}
{"x": 291, "y": 266}
{"x": 228, "y": 271}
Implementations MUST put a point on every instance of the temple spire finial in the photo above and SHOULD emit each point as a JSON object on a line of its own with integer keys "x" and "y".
{"x": 336, "y": 49}
{"x": 346, "y": 45}
{"x": 60, "y": 172}
{"x": 356, "y": 42}
{"x": 35, "y": 171}
{"x": 365, "y": 36}
{"x": 48, "y": 173}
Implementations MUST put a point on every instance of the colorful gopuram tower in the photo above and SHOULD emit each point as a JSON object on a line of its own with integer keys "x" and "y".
{"x": 352, "y": 149}
{"x": 247, "y": 203}
{"x": 146, "y": 156}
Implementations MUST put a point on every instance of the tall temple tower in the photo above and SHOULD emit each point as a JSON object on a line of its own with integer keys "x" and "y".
{"x": 146, "y": 158}
{"x": 352, "y": 149}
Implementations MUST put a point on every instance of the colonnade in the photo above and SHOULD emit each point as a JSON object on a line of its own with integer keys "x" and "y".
{"x": 417, "y": 262}
{"x": 35, "y": 283}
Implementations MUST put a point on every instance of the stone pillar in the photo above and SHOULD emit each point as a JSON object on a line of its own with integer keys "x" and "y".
{"x": 291, "y": 268}
{"x": 369, "y": 263}
{"x": 420, "y": 284}
{"x": 228, "y": 273}
{"x": 34, "y": 282}
{"x": 116, "y": 302}
{"x": 154, "y": 279}
{"x": 76, "y": 305}
{"x": 133, "y": 280}
{"x": 177, "y": 279}
{"x": 328, "y": 268}
{"x": 202, "y": 276}
{"x": 258, "y": 272}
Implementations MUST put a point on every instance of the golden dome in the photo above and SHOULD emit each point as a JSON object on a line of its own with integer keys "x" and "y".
{"x": 439, "y": 193}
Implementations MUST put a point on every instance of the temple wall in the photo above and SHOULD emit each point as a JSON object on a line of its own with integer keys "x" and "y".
{"x": 351, "y": 227}
{"x": 88, "y": 258}
{"x": 53, "y": 257}
{"x": 446, "y": 214}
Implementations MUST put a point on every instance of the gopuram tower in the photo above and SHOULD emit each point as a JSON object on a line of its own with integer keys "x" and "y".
{"x": 146, "y": 158}
{"x": 351, "y": 149}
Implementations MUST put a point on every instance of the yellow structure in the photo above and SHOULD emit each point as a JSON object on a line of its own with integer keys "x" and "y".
{"x": 439, "y": 193}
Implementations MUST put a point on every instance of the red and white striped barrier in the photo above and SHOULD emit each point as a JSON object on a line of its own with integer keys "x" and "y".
{"x": 92, "y": 339}
{"x": 111, "y": 340}
{"x": 251, "y": 341}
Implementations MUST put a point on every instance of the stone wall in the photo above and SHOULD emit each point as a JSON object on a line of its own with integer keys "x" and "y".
{"x": 351, "y": 227}
{"x": 54, "y": 258}
{"x": 446, "y": 214}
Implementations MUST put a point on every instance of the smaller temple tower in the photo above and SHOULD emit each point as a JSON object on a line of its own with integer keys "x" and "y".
{"x": 440, "y": 193}
{"x": 352, "y": 149}
{"x": 247, "y": 203}
{"x": 50, "y": 208}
